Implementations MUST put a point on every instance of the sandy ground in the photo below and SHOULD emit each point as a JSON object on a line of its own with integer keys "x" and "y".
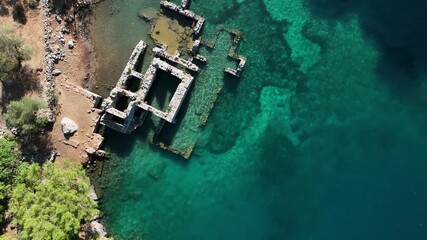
{"x": 73, "y": 101}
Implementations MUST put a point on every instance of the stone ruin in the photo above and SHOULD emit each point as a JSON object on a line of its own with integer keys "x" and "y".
{"x": 182, "y": 9}
{"x": 127, "y": 106}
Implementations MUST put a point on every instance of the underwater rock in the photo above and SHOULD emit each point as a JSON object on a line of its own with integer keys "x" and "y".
{"x": 156, "y": 171}
{"x": 148, "y": 13}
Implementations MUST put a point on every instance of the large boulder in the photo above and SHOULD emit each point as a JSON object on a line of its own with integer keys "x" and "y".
{"x": 68, "y": 126}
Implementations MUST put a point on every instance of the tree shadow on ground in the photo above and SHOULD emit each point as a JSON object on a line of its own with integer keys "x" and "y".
{"x": 25, "y": 81}
{"x": 63, "y": 6}
{"x": 5, "y": 6}
{"x": 4, "y": 11}
{"x": 18, "y": 14}
{"x": 398, "y": 30}
{"x": 37, "y": 147}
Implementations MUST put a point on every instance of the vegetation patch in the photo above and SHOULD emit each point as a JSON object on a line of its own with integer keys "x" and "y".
{"x": 22, "y": 114}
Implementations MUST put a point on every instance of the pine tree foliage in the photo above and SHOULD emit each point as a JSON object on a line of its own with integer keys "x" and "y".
{"x": 51, "y": 201}
{"x": 22, "y": 114}
{"x": 12, "y": 53}
{"x": 9, "y": 159}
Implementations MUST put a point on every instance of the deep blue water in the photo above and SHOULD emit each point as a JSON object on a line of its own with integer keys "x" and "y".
{"x": 323, "y": 137}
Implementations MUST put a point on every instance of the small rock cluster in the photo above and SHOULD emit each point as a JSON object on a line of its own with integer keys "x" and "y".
{"x": 54, "y": 50}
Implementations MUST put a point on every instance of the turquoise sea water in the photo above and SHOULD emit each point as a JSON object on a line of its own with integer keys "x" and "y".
{"x": 323, "y": 137}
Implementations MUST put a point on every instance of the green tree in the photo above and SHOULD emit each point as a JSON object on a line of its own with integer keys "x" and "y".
{"x": 50, "y": 202}
{"x": 12, "y": 54}
{"x": 22, "y": 114}
{"x": 9, "y": 162}
{"x": 9, "y": 159}
{"x": 6, "y": 237}
{"x": 4, "y": 190}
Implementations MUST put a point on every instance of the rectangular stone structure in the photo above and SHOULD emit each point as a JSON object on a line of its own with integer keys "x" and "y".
{"x": 177, "y": 98}
{"x": 199, "y": 20}
{"x": 125, "y": 110}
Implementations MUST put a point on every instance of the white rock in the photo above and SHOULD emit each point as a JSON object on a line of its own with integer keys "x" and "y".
{"x": 68, "y": 126}
{"x": 99, "y": 228}
{"x": 56, "y": 72}
{"x": 70, "y": 44}
{"x": 92, "y": 193}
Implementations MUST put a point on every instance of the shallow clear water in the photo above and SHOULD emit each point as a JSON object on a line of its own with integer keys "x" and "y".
{"x": 323, "y": 137}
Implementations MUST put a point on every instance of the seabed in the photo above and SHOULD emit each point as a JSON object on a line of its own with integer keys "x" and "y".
{"x": 184, "y": 108}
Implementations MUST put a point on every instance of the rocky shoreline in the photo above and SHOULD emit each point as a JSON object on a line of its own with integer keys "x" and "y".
{"x": 54, "y": 43}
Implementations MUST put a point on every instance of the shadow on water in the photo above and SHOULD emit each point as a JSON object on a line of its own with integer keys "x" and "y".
{"x": 113, "y": 138}
{"x": 398, "y": 29}
{"x": 184, "y": 21}
{"x": 164, "y": 154}
{"x": 162, "y": 90}
{"x": 231, "y": 83}
{"x": 170, "y": 129}
{"x": 122, "y": 144}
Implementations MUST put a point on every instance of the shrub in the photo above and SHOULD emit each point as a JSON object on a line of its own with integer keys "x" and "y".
{"x": 12, "y": 53}
{"x": 22, "y": 114}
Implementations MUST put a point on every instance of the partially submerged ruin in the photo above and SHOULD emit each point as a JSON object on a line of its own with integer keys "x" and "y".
{"x": 129, "y": 102}
{"x": 182, "y": 9}
{"x": 126, "y": 108}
